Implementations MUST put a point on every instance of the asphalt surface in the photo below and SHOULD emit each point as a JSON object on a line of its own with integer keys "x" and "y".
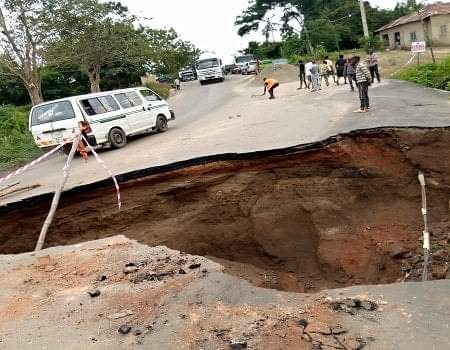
{"x": 227, "y": 117}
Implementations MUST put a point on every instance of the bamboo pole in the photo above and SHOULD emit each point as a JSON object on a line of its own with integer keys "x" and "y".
{"x": 57, "y": 196}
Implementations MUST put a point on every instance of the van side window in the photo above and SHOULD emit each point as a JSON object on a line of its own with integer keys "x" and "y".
{"x": 128, "y": 99}
{"x": 99, "y": 105}
{"x": 150, "y": 95}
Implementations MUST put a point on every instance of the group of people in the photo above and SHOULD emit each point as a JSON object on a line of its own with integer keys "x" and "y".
{"x": 351, "y": 70}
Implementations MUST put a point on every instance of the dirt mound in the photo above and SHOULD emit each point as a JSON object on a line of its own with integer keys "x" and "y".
{"x": 284, "y": 73}
{"x": 331, "y": 215}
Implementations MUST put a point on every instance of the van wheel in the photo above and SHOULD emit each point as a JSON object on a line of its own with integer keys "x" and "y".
{"x": 161, "y": 124}
{"x": 117, "y": 138}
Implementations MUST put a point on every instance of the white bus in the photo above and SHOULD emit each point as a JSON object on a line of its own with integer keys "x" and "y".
{"x": 110, "y": 116}
{"x": 209, "y": 67}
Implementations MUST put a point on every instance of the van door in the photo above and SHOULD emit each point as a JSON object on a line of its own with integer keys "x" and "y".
{"x": 103, "y": 114}
{"x": 53, "y": 122}
{"x": 154, "y": 102}
{"x": 137, "y": 115}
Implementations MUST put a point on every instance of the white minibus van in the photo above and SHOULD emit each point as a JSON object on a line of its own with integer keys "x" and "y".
{"x": 109, "y": 116}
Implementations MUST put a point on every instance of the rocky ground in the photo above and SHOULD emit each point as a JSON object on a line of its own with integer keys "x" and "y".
{"x": 118, "y": 294}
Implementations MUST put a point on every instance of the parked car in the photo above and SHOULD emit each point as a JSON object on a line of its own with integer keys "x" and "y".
{"x": 164, "y": 80}
{"x": 109, "y": 116}
{"x": 250, "y": 68}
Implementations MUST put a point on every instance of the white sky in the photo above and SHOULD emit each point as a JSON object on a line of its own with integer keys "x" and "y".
{"x": 209, "y": 24}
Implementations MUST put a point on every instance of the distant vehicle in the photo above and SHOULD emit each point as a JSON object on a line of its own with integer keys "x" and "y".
{"x": 186, "y": 74}
{"x": 250, "y": 68}
{"x": 229, "y": 68}
{"x": 209, "y": 67}
{"x": 164, "y": 80}
{"x": 108, "y": 116}
{"x": 241, "y": 62}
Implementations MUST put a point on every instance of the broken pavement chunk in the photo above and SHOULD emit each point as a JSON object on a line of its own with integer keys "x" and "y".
{"x": 124, "y": 329}
{"x": 194, "y": 266}
{"x": 94, "y": 293}
{"x": 238, "y": 345}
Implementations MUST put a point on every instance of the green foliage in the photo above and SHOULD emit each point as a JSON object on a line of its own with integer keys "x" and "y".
{"x": 16, "y": 143}
{"x": 93, "y": 35}
{"x": 372, "y": 42}
{"x": 266, "y": 50}
{"x": 333, "y": 24}
{"x": 168, "y": 53}
{"x": 162, "y": 90}
{"x": 431, "y": 75}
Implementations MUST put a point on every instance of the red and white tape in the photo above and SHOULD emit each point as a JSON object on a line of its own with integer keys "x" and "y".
{"x": 102, "y": 163}
{"x": 33, "y": 163}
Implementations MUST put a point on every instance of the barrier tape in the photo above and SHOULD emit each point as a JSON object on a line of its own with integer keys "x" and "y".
{"x": 33, "y": 163}
{"x": 102, "y": 163}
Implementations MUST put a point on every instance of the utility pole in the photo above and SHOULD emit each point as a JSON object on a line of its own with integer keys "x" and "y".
{"x": 364, "y": 19}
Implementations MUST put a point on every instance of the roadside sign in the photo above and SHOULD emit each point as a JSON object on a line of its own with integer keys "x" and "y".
{"x": 418, "y": 46}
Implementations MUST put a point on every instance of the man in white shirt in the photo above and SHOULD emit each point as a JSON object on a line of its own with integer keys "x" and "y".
{"x": 308, "y": 67}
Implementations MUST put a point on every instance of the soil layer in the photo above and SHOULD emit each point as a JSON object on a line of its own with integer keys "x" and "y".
{"x": 340, "y": 213}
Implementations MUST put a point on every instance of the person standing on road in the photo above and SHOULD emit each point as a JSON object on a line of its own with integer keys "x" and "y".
{"x": 308, "y": 67}
{"x": 315, "y": 76}
{"x": 177, "y": 84}
{"x": 330, "y": 66}
{"x": 302, "y": 74}
{"x": 363, "y": 80}
{"x": 324, "y": 73}
{"x": 340, "y": 63}
{"x": 269, "y": 86}
{"x": 372, "y": 62}
{"x": 350, "y": 72}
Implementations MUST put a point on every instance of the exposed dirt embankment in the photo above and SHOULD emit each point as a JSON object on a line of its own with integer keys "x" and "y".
{"x": 334, "y": 214}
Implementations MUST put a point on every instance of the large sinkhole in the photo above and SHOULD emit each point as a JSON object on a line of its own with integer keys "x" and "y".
{"x": 337, "y": 213}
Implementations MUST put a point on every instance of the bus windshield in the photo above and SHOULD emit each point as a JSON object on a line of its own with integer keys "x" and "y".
{"x": 209, "y": 63}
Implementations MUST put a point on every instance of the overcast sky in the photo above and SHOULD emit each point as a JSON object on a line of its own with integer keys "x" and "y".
{"x": 209, "y": 24}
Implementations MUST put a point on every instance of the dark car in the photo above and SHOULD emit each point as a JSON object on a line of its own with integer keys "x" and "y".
{"x": 164, "y": 80}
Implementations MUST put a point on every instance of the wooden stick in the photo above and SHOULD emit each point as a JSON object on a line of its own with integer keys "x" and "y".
{"x": 57, "y": 196}
{"x": 426, "y": 234}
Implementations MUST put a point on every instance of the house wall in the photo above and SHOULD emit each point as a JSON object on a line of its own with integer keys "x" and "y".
{"x": 438, "y": 37}
{"x": 434, "y": 30}
{"x": 405, "y": 31}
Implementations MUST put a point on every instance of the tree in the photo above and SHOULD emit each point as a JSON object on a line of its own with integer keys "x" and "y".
{"x": 169, "y": 53}
{"x": 23, "y": 33}
{"x": 94, "y": 35}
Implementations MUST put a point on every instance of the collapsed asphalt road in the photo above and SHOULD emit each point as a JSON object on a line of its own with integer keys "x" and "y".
{"x": 341, "y": 212}
{"x": 223, "y": 118}
{"x": 117, "y": 294}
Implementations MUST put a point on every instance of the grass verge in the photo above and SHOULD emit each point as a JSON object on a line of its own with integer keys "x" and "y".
{"x": 431, "y": 75}
{"x": 16, "y": 143}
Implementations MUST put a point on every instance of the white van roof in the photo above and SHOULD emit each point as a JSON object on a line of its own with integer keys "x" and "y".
{"x": 96, "y": 94}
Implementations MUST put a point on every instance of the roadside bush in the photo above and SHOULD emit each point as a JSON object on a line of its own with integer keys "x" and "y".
{"x": 162, "y": 90}
{"x": 16, "y": 143}
{"x": 431, "y": 75}
{"x": 372, "y": 42}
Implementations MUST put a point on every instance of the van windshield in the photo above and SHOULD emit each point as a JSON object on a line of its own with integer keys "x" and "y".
{"x": 209, "y": 63}
{"x": 52, "y": 112}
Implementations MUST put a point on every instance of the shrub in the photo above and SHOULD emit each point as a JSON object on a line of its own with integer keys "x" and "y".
{"x": 162, "y": 90}
{"x": 16, "y": 143}
{"x": 431, "y": 75}
{"x": 372, "y": 42}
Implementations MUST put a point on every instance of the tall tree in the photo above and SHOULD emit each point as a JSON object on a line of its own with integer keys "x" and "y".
{"x": 93, "y": 35}
{"x": 169, "y": 52}
{"x": 23, "y": 32}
